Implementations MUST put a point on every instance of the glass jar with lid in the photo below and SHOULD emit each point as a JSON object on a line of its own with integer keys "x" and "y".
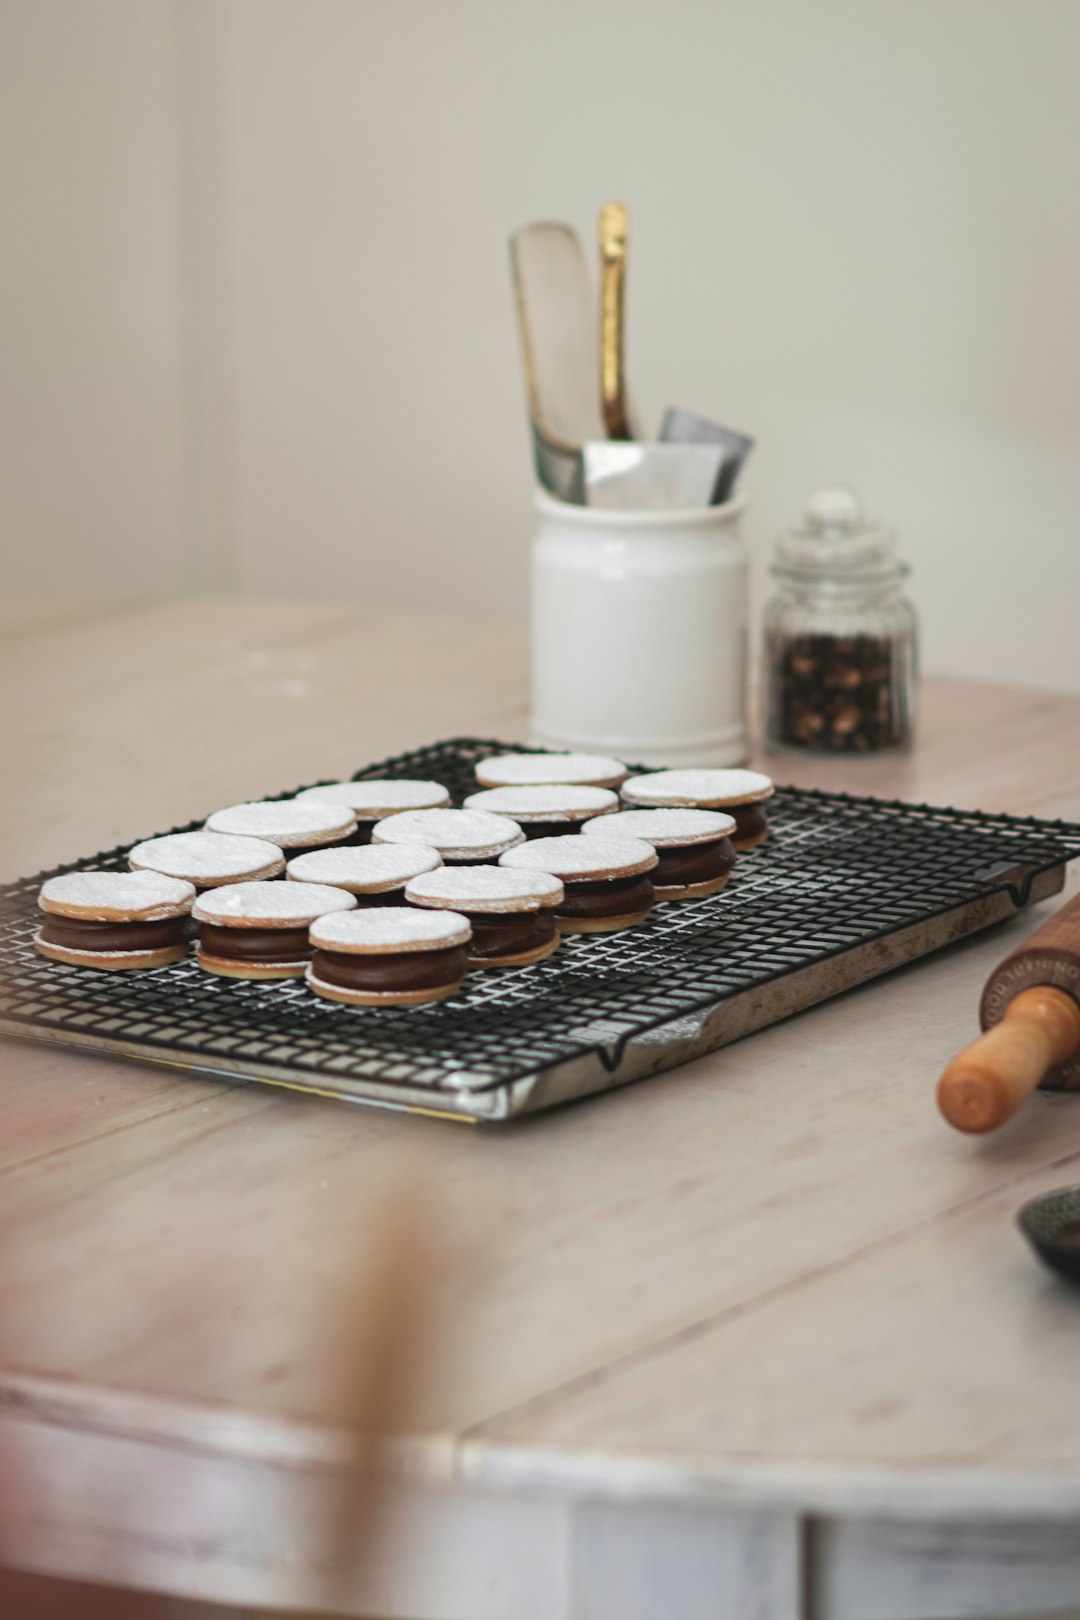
{"x": 840, "y": 644}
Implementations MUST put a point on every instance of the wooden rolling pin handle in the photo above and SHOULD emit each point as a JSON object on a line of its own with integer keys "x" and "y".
{"x": 985, "y": 1085}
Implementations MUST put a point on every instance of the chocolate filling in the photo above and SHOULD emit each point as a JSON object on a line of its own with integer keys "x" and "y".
{"x": 608, "y": 897}
{"x": 255, "y": 944}
{"x": 509, "y": 933}
{"x": 693, "y": 863}
{"x": 362, "y": 835}
{"x": 474, "y": 860}
{"x": 394, "y": 970}
{"x": 750, "y": 820}
{"x": 78, "y": 934}
{"x": 306, "y": 849}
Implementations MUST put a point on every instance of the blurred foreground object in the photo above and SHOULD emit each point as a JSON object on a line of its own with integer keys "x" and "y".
{"x": 362, "y": 1322}
{"x": 840, "y": 640}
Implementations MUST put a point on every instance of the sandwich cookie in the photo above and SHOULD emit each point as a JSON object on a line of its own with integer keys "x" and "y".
{"x": 741, "y": 793}
{"x": 693, "y": 847}
{"x": 606, "y": 879}
{"x": 260, "y": 930}
{"x": 371, "y": 801}
{"x": 288, "y": 823}
{"x": 115, "y": 919}
{"x": 529, "y": 770}
{"x": 376, "y": 873}
{"x": 512, "y": 914}
{"x": 461, "y": 837}
{"x": 389, "y": 956}
{"x": 541, "y": 809}
{"x": 207, "y": 859}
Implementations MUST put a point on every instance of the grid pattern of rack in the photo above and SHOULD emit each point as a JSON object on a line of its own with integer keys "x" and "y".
{"x": 836, "y": 873}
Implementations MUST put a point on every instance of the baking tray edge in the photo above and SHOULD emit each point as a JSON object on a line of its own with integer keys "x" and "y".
{"x": 664, "y": 1047}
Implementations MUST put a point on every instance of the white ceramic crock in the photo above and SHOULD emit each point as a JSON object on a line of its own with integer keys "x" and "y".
{"x": 639, "y": 633}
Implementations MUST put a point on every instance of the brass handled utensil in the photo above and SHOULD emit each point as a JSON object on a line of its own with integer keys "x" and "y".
{"x": 614, "y": 222}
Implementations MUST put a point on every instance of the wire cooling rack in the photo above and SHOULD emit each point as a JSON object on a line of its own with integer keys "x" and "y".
{"x": 843, "y": 889}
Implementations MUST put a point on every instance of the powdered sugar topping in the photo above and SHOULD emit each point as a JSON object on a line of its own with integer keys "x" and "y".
{"x": 545, "y": 802}
{"x": 268, "y": 905}
{"x": 380, "y": 797}
{"x": 485, "y": 888}
{"x": 700, "y": 787}
{"x": 207, "y": 858}
{"x": 286, "y": 822}
{"x": 665, "y": 829}
{"x": 519, "y": 770}
{"x": 456, "y": 834}
{"x": 104, "y": 896}
{"x": 391, "y": 929}
{"x": 573, "y": 857}
{"x": 366, "y": 869}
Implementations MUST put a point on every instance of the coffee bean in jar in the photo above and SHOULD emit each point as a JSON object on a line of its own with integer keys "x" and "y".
{"x": 840, "y": 639}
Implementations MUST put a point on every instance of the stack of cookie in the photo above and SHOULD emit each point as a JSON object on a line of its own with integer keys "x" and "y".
{"x": 681, "y": 847}
{"x": 389, "y": 895}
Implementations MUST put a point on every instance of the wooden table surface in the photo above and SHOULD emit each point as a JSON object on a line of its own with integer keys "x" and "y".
{"x": 771, "y": 1281}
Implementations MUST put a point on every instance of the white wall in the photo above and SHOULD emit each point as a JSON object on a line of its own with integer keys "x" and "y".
{"x": 92, "y": 444}
{"x": 280, "y": 280}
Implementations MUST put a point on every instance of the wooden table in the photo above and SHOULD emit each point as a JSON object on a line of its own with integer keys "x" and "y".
{"x": 757, "y": 1338}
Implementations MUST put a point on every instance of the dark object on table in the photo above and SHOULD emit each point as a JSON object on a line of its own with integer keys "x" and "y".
{"x": 1051, "y": 1225}
{"x": 840, "y": 639}
{"x": 844, "y": 694}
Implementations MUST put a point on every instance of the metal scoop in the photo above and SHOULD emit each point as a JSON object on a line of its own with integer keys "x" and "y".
{"x": 623, "y": 476}
{"x": 683, "y": 427}
{"x": 557, "y": 324}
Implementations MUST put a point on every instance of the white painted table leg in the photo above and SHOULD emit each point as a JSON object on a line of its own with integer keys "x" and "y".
{"x": 870, "y": 1570}
{"x": 658, "y": 1562}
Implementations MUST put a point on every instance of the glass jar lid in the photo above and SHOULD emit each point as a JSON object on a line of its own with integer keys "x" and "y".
{"x": 837, "y": 540}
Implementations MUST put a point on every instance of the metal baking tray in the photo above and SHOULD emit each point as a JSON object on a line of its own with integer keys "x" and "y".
{"x": 844, "y": 889}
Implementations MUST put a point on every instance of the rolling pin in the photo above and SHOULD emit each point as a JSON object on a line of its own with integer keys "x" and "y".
{"x": 1030, "y": 1012}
